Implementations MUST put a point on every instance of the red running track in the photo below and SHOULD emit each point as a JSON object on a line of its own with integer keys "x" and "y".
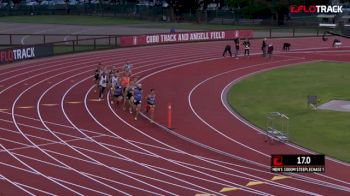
{"x": 57, "y": 139}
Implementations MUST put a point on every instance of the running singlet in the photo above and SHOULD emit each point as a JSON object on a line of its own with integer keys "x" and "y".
{"x": 114, "y": 80}
{"x": 103, "y": 81}
{"x": 127, "y": 67}
{"x": 151, "y": 100}
{"x": 137, "y": 94}
{"x": 125, "y": 81}
{"x": 118, "y": 90}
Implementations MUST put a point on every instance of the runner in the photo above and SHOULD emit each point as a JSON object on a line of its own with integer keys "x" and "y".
{"x": 130, "y": 95}
{"x": 97, "y": 77}
{"x": 110, "y": 76}
{"x": 117, "y": 94}
{"x": 127, "y": 67}
{"x": 114, "y": 81}
{"x": 151, "y": 104}
{"x": 137, "y": 99}
{"x": 103, "y": 84}
{"x": 125, "y": 81}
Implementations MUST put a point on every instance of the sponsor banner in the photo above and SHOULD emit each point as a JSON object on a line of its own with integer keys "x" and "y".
{"x": 154, "y": 39}
{"x": 11, "y": 55}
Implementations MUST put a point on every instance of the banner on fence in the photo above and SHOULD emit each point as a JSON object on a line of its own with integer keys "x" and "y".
{"x": 154, "y": 39}
{"x": 10, "y": 55}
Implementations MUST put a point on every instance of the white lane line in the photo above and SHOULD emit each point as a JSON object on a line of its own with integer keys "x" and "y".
{"x": 224, "y": 91}
{"x": 37, "y": 147}
{"x": 36, "y": 189}
{"x": 249, "y": 190}
{"x": 76, "y": 138}
{"x": 155, "y": 166}
{"x": 233, "y": 140}
{"x": 37, "y": 172}
{"x": 75, "y": 57}
{"x": 107, "y": 55}
{"x": 114, "y": 152}
{"x": 71, "y": 147}
{"x": 197, "y": 142}
{"x": 103, "y": 178}
{"x": 226, "y": 72}
{"x": 14, "y": 184}
{"x": 127, "y": 149}
{"x": 145, "y": 58}
{"x": 192, "y": 155}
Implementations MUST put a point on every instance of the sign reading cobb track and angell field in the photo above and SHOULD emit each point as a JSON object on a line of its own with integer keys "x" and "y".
{"x": 11, "y": 55}
{"x": 154, "y": 39}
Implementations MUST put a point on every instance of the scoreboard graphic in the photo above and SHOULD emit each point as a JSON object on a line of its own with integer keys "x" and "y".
{"x": 297, "y": 163}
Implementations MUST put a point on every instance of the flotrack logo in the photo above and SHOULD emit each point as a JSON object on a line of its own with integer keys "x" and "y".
{"x": 324, "y": 9}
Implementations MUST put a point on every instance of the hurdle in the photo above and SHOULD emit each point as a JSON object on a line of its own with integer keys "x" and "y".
{"x": 277, "y": 125}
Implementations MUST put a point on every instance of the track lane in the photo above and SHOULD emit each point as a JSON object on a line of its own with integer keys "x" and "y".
{"x": 50, "y": 117}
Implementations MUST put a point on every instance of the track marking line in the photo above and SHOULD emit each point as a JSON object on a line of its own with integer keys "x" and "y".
{"x": 254, "y": 183}
{"x": 95, "y": 100}
{"x": 26, "y": 107}
{"x": 16, "y": 185}
{"x": 203, "y": 194}
{"x": 3, "y": 110}
{"x": 73, "y": 102}
{"x": 280, "y": 177}
{"x": 49, "y": 104}
{"x": 227, "y": 189}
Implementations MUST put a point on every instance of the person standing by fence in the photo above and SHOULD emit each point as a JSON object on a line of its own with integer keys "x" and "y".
{"x": 246, "y": 45}
{"x": 264, "y": 47}
{"x": 237, "y": 48}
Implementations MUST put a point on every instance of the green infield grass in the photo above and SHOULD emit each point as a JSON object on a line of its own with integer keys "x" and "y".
{"x": 285, "y": 90}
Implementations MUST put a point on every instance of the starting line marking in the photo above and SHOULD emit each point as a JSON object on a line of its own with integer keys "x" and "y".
{"x": 253, "y": 183}
{"x": 280, "y": 177}
{"x": 227, "y": 189}
{"x": 3, "y": 110}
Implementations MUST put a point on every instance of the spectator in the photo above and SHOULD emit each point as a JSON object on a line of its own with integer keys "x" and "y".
{"x": 227, "y": 49}
{"x": 237, "y": 48}
{"x": 172, "y": 29}
{"x": 270, "y": 50}
{"x": 264, "y": 47}
{"x": 246, "y": 45}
